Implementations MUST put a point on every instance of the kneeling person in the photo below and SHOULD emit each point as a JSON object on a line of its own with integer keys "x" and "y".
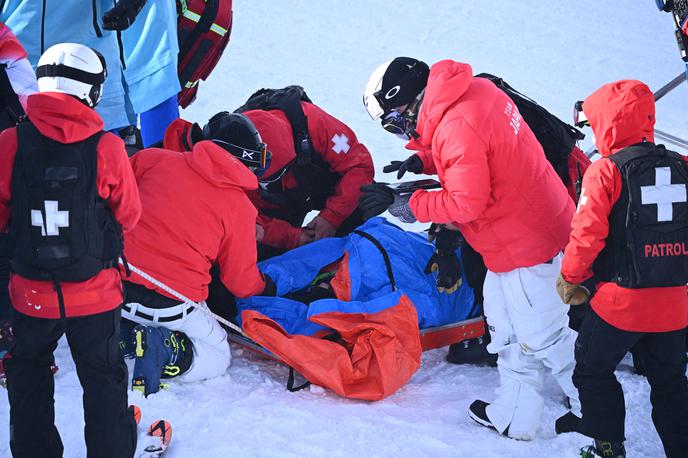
{"x": 195, "y": 213}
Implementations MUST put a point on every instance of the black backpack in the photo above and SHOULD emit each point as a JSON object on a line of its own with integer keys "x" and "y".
{"x": 647, "y": 245}
{"x": 556, "y": 137}
{"x": 315, "y": 178}
{"x": 11, "y": 111}
{"x": 60, "y": 228}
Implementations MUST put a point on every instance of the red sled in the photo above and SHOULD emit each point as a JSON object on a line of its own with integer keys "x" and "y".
{"x": 203, "y": 30}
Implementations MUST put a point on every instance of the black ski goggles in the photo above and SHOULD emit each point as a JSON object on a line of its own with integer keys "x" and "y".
{"x": 579, "y": 118}
{"x": 257, "y": 161}
{"x": 398, "y": 124}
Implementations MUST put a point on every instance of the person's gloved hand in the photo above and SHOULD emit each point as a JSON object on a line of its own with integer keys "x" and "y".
{"x": 122, "y": 15}
{"x": 412, "y": 164}
{"x": 270, "y": 286}
{"x": 444, "y": 260}
{"x": 378, "y": 197}
{"x": 321, "y": 227}
{"x": 375, "y": 199}
{"x": 571, "y": 293}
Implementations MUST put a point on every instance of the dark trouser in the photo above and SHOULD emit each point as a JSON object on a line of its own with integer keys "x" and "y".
{"x": 599, "y": 348}
{"x": 94, "y": 342}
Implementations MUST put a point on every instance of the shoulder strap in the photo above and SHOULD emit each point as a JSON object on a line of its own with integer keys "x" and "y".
{"x": 288, "y": 100}
{"x": 10, "y": 100}
{"x": 384, "y": 253}
{"x": 204, "y": 22}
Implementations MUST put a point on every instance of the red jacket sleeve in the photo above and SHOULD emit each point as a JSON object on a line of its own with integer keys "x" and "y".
{"x": 237, "y": 256}
{"x": 345, "y": 155}
{"x": 465, "y": 182}
{"x": 590, "y": 226}
{"x": 279, "y": 233}
{"x": 8, "y": 150}
{"x": 116, "y": 182}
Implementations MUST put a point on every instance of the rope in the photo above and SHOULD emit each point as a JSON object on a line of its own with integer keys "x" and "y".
{"x": 202, "y": 306}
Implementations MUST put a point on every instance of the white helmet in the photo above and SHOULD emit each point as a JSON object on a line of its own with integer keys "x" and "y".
{"x": 74, "y": 69}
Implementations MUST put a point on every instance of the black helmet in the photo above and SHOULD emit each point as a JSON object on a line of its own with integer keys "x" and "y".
{"x": 236, "y": 133}
{"x": 393, "y": 84}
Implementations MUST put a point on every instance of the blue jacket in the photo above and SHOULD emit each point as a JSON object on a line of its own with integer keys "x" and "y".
{"x": 369, "y": 284}
{"x": 150, "y": 49}
{"x": 72, "y": 21}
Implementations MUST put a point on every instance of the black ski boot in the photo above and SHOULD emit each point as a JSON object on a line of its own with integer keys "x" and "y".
{"x": 472, "y": 351}
{"x": 604, "y": 448}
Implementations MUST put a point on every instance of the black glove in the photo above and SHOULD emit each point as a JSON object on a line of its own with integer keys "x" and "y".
{"x": 270, "y": 286}
{"x": 444, "y": 260}
{"x": 122, "y": 15}
{"x": 375, "y": 199}
{"x": 413, "y": 164}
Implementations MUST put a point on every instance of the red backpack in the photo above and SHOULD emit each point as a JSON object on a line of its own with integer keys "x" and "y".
{"x": 203, "y": 29}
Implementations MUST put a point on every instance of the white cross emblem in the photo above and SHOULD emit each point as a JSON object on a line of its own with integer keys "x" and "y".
{"x": 54, "y": 219}
{"x": 663, "y": 194}
{"x": 341, "y": 143}
{"x": 246, "y": 154}
{"x": 582, "y": 200}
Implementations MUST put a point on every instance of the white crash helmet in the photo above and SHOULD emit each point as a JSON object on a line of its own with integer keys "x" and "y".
{"x": 74, "y": 69}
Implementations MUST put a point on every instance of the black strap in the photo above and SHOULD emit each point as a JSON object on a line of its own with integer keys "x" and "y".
{"x": 60, "y": 298}
{"x": 10, "y": 100}
{"x": 385, "y": 256}
{"x": 121, "y": 49}
{"x": 203, "y": 26}
{"x": 290, "y": 382}
{"x": 43, "y": 27}
{"x": 95, "y": 19}
{"x": 71, "y": 73}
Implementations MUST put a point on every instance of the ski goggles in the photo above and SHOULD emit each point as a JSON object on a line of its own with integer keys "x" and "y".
{"x": 579, "y": 118}
{"x": 398, "y": 124}
{"x": 264, "y": 182}
{"x": 257, "y": 161}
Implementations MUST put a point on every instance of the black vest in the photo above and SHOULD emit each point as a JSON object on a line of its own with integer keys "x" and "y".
{"x": 647, "y": 245}
{"x": 60, "y": 228}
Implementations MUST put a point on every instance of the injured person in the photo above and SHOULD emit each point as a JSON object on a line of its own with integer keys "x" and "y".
{"x": 353, "y": 314}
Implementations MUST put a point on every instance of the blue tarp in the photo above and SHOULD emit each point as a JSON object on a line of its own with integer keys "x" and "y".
{"x": 371, "y": 289}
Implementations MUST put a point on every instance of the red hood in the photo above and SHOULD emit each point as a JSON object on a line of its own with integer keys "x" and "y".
{"x": 219, "y": 167}
{"x": 62, "y": 117}
{"x": 276, "y": 132}
{"x": 10, "y": 48}
{"x": 447, "y": 82}
{"x": 621, "y": 114}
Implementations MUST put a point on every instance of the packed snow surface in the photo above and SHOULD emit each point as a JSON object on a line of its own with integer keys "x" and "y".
{"x": 555, "y": 52}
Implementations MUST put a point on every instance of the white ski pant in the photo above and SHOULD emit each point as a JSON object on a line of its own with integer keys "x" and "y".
{"x": 529, "y": 328}
{"x": 211, "y": 353}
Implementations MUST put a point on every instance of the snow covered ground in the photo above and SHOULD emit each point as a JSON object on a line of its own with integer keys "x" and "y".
{"x": 557, "y": 53}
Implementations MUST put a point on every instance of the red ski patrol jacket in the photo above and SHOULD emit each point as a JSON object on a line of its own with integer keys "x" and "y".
{"x": 332, "y": 139}
{"x": 497, "y": 185}
{"x": 195, "y": 213}
{"x": 621, "y": 114}
{"x": 67, "y": 120}
{"x": 339, "y": 149}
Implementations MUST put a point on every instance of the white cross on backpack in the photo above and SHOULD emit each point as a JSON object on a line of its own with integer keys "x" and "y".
{"x": 54, "y": 219}
{"x": 663, "y": 194}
